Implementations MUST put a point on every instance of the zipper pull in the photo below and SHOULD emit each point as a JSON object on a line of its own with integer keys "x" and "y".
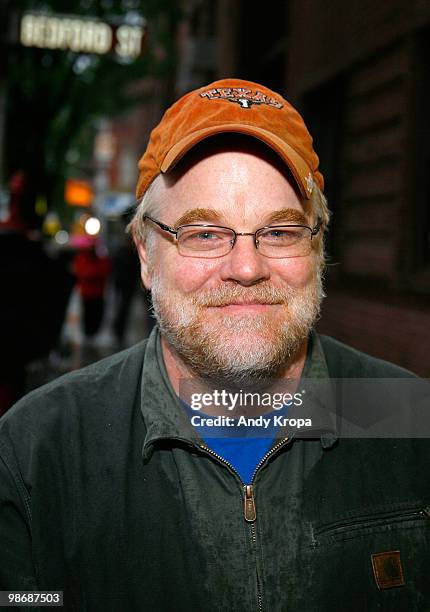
{"x": 249, "y": 505}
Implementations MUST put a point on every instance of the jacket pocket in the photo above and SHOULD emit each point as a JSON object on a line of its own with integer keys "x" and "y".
{"x": 380, "y": 520}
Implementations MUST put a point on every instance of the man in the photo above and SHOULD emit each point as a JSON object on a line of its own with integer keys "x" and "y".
{"x": 112, "y": 491}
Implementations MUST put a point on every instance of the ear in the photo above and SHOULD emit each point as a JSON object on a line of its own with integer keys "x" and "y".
{"x": 143, "y": 258}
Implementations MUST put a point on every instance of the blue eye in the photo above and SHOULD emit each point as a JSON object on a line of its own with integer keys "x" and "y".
{"x": 206, "y": 236}
{"x": 283, "y": 236}
{"x": 277, "y": 233}
{"x": 202, "y": 239}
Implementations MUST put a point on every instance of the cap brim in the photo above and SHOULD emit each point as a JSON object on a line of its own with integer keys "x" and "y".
{"x": 297, "y": 165}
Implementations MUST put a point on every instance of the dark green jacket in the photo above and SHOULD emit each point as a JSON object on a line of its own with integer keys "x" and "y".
{"x": 103, "y": 496}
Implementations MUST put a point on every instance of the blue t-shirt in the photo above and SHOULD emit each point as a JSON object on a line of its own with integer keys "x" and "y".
{"x": 241, "y": 445}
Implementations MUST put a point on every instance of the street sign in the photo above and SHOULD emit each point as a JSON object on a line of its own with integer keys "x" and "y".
{"x": 81, "y": 34}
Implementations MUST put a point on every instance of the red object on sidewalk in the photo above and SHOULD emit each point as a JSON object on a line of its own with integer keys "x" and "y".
{"x": 92, "y": 272}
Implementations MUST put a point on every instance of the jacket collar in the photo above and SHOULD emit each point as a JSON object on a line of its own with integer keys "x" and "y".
{"x": 162, "y": 412}
{"x": 316, "y": 379}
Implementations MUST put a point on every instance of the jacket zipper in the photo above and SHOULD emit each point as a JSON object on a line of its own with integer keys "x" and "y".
{"x": 249, "y": 508}
{"x": 400, "y": 515}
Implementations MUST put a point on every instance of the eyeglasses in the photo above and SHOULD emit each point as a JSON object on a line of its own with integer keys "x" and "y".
{"x": 210, "y": 241}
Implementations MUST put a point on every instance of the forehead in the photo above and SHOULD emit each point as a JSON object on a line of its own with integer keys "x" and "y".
{"x": 238, "y": 177}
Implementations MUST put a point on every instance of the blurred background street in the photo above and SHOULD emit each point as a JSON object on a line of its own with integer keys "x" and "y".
{"x": 75, "y": 351}
{"x": 83, "y": 82}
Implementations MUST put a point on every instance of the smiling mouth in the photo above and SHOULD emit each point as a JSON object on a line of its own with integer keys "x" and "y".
{"x": 246, "y": 305}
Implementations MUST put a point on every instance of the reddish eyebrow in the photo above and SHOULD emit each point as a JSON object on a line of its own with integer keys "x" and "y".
{"x": 287, "y": 215}
{"x": 208, "y": 215}
{"x": 203, "y": 215}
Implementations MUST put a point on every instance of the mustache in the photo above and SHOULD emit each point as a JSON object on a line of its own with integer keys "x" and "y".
{"x": 258, "y": 294}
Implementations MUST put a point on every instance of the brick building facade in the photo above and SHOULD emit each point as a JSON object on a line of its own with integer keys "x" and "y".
{"x": 359, "y": 71}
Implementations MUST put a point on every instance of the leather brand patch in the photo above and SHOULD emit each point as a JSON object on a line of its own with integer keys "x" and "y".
{"x": 387, "y": 569}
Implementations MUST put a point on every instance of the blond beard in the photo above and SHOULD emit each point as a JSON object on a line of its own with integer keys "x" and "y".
{"x": 213, "y": 350}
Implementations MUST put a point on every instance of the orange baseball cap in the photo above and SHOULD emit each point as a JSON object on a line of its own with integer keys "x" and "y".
{"x": 231, "y": 105}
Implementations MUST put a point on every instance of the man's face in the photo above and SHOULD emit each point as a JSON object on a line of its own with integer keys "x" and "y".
{"x": 240, "y": 316}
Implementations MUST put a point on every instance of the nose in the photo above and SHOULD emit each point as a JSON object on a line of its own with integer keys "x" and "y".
{"x": 244, "y": 265}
